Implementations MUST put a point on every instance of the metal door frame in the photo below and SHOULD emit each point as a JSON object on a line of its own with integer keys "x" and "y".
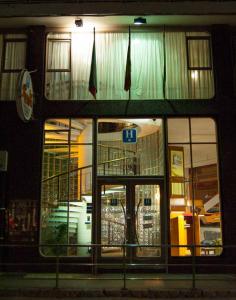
{"x": 130, "y": 183}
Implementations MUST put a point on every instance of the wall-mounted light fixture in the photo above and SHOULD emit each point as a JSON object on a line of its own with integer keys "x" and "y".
{"x": 140, "y": 21}
{"x": 79, "y": 23}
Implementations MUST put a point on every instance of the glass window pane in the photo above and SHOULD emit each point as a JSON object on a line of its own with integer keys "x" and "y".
{"x": 118, "y": 157}
{"x": 58, "y": 55}
{"x": 55, "y": 160}
{"x": 178, "y": 131}
{"x": 147, "y": 213}
{"x": 195, "y": 215}
{"x": 57, "y": 85}
{"x": 81, "y": 131}
{"x": 180, "y": 205}
{"x": 15, "y": 55}
{"x": 56, "y": 137}
{"x": 80, "y": 226}
{"x": 199, "y": 53}
{"x": 113, "y": 211}
{"x": 204, "y": 154}
{"x": 21, "y": 218}
{"x": 201, "y": 84}
{"x": 54, "y": 224}
{"x": 203, "y": 130}
{"x": 207, "y": 198}
{"x": 8, "y": 89}
{"x": 66, "y": 199}
{"x": 147, "y": 56}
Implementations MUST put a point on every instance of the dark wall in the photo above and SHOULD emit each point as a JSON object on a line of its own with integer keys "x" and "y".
{"x": 23, "y": 143}
{"x": 222, "y": 40}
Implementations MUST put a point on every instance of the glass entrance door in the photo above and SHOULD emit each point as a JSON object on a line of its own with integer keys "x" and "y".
{"x": 130, "y": 214}
{"x": 147, "y": 219}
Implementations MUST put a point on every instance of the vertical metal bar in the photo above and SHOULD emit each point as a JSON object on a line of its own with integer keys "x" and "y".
{"x": 166, "y": 195}
{"x": 95, "y": 198}
{"x": 193, "y": 210}
{"x": 58, "y": 188}
{"x": 57, "y": 267}
{"x": 193, "y": 267}
{"x": 68, "y": 186}
{"x": 80, "y": 184}
{"x": 124, "y": 268}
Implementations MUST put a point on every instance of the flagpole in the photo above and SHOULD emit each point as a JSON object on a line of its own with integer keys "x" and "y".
{"x": 93, "y": 70}
{"x": 164, "y": 55}
{"x": 127, "y": 83}
{"x": 130, "y": 55}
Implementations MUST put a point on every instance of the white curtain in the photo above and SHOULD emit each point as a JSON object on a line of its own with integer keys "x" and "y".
{"x": 147, "y": 65}
{"x": 155, "y": 56}
{"x": 58, "y": 82}
{"x": 81, "y": 53}
{"x": 111, "y": 63}
{"x": 15, "y": 54}
{"x": 176, "y": 66}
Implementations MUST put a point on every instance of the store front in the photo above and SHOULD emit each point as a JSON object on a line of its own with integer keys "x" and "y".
{"x": 148, "y": 193}
{"x": 138, "y": 168}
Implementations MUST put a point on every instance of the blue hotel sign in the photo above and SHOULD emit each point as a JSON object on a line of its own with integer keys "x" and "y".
{"x": 129, "y": 135}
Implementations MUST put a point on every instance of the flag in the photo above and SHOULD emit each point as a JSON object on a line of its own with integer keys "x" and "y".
{"x": 127, "y": 84}
{"x": 93, "y": 72}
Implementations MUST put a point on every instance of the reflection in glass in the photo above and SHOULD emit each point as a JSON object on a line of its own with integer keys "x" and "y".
{"x": 199, "y": 132}
{"x": 113, "y": 226}
{"x": 143, "y": 157}
{"x": 66, "y": 198}
{"x": 147, "y": 214}
{"x": 195, "y": 214}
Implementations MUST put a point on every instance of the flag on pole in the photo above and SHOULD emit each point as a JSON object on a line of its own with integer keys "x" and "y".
{"x": 93, "y": 71}
{"x": 127, "y": 83}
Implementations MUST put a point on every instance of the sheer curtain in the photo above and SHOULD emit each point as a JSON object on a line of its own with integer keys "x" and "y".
{"x": 111, "y": 52}
{"x": 176, "y": 66}
{"x": 57, "y": 79}
{"x": 81, "y": 53}
{"x": 111, "y": 62}
{"x": 201, "y": 82}
{"x": 14, "y": 61}
{"x": 155, "y": 56}
{"x": 147, "y": 65}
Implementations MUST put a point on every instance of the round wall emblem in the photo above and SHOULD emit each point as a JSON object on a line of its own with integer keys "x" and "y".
{"x": 25, "y": 96}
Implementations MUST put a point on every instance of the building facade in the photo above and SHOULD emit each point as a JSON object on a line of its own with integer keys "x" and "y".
{"x": 145, "y": 173}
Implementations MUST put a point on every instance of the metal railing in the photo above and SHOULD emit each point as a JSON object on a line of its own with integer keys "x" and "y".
{"x": 88, "y": 1}
{"x": 56, "y": 187}
{"x": 124, "y": 263}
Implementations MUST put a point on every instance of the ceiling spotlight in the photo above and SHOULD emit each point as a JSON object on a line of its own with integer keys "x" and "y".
{"x": 79, "y": 23}
{"x": 140, "y": 21}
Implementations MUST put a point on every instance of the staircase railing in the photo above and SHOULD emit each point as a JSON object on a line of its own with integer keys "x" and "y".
{"x": 57, "y": 187}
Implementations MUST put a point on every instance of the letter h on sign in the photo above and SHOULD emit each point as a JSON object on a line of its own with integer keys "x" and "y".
{"x": 129, "y": 135}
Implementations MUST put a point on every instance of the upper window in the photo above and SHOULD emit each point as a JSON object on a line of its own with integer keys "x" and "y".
{"x": 12, "y": 61}
{"x": 170, "y": 65}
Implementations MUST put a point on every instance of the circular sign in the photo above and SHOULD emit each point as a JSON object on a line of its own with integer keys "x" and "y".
{"x": 25, "y": 98}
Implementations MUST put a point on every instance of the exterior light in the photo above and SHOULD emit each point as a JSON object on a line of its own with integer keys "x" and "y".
{"x": 79, "y": 23}
{"x": 140, "y": 21}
